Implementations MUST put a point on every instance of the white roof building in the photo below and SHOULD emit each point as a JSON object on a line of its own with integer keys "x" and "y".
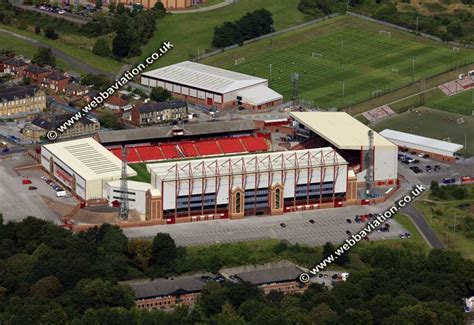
{"x": 425, "y": 144}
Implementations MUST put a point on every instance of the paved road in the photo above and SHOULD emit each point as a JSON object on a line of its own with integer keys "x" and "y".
{"x": 203, "y": 9}
{"x": 60, "y": 54}
{"x": 67, "y": 16}
{"x": 423, "y": 227}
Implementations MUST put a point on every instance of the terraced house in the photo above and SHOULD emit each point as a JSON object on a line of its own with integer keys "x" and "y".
{"x": 153, "y": 113}
{"x": 21, "y": 102}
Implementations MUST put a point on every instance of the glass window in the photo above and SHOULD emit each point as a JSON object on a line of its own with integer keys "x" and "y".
{"x": 277, "y": 198}
{"x": 237, "y": 202}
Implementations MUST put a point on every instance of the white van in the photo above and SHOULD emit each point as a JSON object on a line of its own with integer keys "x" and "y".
{"x": 471, "y": 73}
{"x": 61, "y": 193}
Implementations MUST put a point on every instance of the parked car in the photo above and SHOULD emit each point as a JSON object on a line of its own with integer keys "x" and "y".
{"x": 283, "y": 225}
{"x": 449, "y": 180}
{"x": 311, "y": 221}
{"x": 421, "y": 154}
{"x": 32, "y": 188}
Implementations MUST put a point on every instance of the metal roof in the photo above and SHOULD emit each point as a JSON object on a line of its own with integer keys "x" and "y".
{"x": 165, "y": 287}
{"x": 132, "y": 185}
{"x": 258, "y": 95}
{"x": 164, "y": 132}
{"x": 340, "y": 129}
{"x": 88, "y": 159}
{"x": 158, "y": 107}
{"x": 204, "y": 77}
{"x": 409, "y": 138}
{"x": 272, "y": 275}
{"x": 17, "y": 92}
{"x": 250, "y": 163}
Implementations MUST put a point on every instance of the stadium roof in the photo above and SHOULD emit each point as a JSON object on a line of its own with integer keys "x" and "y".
{"x": 259, "y": 95}
{"x": 165, "y": 132}
{"x": 251, "y": 163}
{"x": 408, "y": 138}
{"x": 340, "y": 129}
{"x": 280, "y": 274}
{"x": 165, "y": 287}
{"x": 88, "y": 159}
{"x": 132, "y": 185}
{"x": 204, "y": 77}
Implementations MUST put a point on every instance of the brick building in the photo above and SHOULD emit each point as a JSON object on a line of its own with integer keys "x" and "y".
{"x": 36, "y": 73}
{"x": 14, "y": 67}
{"x": 21, "y": 101}
{"x": 56, "y": 81}
{"x": 82, "y": 127}
{"x": 153, "y": 113}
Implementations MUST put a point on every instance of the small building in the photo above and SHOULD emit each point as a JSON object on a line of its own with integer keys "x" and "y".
{"x": 56, "y": 81}
{"x": 21, "y": 101}
{"x": 117, "y": 104}
{"x": 89, "y": 96}
{"x": 83, "y": 166}
{"x": 15, "y": 67}
{"x": 168, "y": 4}
{"x": 211, "y": 86}
{"x": 166, "y": 293}
{"x": 36, "y": 73}
{"x": 84, "y": 126}
{"x": 76, "y": 89}
{"x": 136, "y": 194}
{"x": 154, "y": 113}
{"x": 436, "y": 149}
{"x": 283, "y": 279}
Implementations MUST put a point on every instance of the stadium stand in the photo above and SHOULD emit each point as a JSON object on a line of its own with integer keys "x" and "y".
{"x": 132, "y": 154}
{"x": 150, "y": 153}
{"x": 378, "y": 113}
{"x": 453, "y": 87}
{"x": 188, "y": 149}
{"x": 231, "y": 145}
{"x": 170, "y": 151}
{"x": 253, "y": 144}
{"x": 208, "y": 148}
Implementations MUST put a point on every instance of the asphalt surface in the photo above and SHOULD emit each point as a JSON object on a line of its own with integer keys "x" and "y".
{"x": 423, "y": 227}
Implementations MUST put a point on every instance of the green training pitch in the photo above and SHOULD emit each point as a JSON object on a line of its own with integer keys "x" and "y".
{"x": 341, "y": 64}
{"x": 434, "y": 124}
{"x": 462, "y": 103}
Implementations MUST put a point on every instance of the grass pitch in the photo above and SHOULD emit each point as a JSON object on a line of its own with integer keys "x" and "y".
{"x": 342, "y": 61}
{"x": 462, "y": 103}
{"x": 434, "y": 124}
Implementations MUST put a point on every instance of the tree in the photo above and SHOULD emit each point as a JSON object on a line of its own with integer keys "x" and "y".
{"x": 102, "y": 47}
{"x": 455, "y": 29}
{"x": 112, "y": 7}
{"x": 159, "y": 94}
{"x": 159, "y": 9}
{"x": 98, "y": 4}
{"x": 140, "y": 251}
{"x": 50, "y": 33}
{"x": 164, "y": 251}
{"x": 228, "y": 316}
{"x": 55, "y": 316}
{"x": 47, "y": 287}
{"x": 120, "y": 45}
{"x": 109, "y": 120}
{"x": 227, "y": 34}
{"x": 44, "y": 56}
{"x": 328, "y": 249}
{"x": 37, "y": 30}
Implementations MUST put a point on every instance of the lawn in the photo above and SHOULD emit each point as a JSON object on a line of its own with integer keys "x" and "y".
{"x": 449, "y": 220}
{"x": 143, "y": 174}
{"x": 190, "y": 33}
{"x": 462, "y": 103}
{"x": 341, "y": 64}
{"x": 435, "y": 124}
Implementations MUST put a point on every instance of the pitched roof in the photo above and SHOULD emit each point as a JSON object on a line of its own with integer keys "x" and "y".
{"x": 157, "y": 107}
{"x": 164, "y": 132}
{"x": 45, "y": 122}
{"x": 17, "y": 92}
{"x": 15, "y": 62}
{"x": 56, "y": 75}
{"x": 34, "y": 68}
{"x": 75, "y": 87}
{"x": 116, "y": 101}
{"x": 280, "y": 274}
{"x": 165, "y": 287}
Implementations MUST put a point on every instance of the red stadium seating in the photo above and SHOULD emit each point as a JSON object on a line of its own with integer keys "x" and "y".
{"x": 132, "y": 154}
{"x": 231, "y": 145}
{"x": 170, "y": 151}
{"x": 189, "y": 149}
{"x": 208, "y": 148}
{"x": 253, "y": 144}
{"x": 150, "y": 153}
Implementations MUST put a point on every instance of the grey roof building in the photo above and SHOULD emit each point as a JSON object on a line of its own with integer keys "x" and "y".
{"x": 17, "y": 92}
{"x": 166, "y": 287}
{"x": 273, "y": 275}
{"x": 156, "y": 107}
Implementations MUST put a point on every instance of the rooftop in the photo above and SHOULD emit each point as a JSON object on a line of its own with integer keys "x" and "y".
{"x": 272, "y": 275}
{"x": 340, "y": 129}
{"x": 116, "y": 101}
{"x": 15, "y": 62}
{"x": 165, "y": 287}
{"x": 17, "y": 92}
{"x": 56, "y": 75}
{"x": 165, "y": 132}
{"x": 259, "y": 95}
{"x": 44, "y": 121}
{"x": 132, "y": 185}
{"x": 88, "y": 158}
{"x": 157, "y": 107}
{"x": 204, "y": 77}
{"x": 34, "y": 68}
{"x": 420, "y": 140}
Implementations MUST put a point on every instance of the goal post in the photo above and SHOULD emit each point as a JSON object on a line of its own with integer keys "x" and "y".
{"x": 317, "y": 55}
{"x": 385, "y": 33}
{"x": 239, "y": 61}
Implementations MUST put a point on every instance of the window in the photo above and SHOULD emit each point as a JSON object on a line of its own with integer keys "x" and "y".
{"x": 277, "y": 198}
{"x": 237, "y": 202}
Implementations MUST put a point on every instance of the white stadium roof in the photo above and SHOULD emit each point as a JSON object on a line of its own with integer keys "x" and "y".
{"x": 204, "y": 77}
{"x": 419, "y": 140}
{"x": 262, "y": 162}
{"x": 340, "y": 129}
{"x": 132, "y": 185}
{"x": 259, "y": 95}
{"x": 88, "y": 158}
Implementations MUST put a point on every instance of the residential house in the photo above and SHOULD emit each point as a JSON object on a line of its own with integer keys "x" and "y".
{"x": 14, "y": 67}
{"x": 153, "y": 113}
{"x": 36, "y": 73}
{"x": 76, "y": 89}
{"x": 56, "y": 81}
{"x": 85, "y": 126}
{"x": 21, "y": 101}
{"x": 90, "y": 95}
{"x": 117, "y": 104}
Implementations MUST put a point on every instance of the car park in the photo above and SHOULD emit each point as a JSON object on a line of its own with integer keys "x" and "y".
{"x": 421, "y": 154}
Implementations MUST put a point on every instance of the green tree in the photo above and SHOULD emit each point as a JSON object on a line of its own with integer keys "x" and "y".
{"x": 139, "y": 252}
{"x": 228, "y": 316}
{"x": 96, "y": 81}
{"x": 98, "y": 4}
{"x": 328, "y": 249}
{"x": 44, "y": 56}
{"x": 159, "y": 94}
{"x": 55, "y": 316}
{"x": 455, "y": 29}
{"x": 112, "y": 7}
{"x": 102, "y": 47}
{"x": 120, "y": 45}
{"x": 37, "y": 30}
{"x": 50, "y": 33}
{"x": 323, "y": 314}
{"x": 164, "y": 252}
{"x": 109, "y": 120}
{"x": 47, "y": 287}
{"x": 159, "y": 9}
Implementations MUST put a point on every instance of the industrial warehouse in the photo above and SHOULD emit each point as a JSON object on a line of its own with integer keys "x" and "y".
{"x": 210, "y": 86}
{"x": 234, "y": 173}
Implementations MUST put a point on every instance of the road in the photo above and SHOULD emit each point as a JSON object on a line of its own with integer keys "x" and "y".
{"x": 203, "y": 9}
{"x": 66, "y": 16}
{"x": 423, "y": 227}
{"x": 81, "y": 66}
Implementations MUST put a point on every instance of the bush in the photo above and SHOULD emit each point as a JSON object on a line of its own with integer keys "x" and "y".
{"x": 50, "y": 33}
{"x": 102, "y": 47}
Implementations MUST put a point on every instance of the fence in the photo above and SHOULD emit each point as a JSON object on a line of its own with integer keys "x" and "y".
{"x": 289, "y": 29}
